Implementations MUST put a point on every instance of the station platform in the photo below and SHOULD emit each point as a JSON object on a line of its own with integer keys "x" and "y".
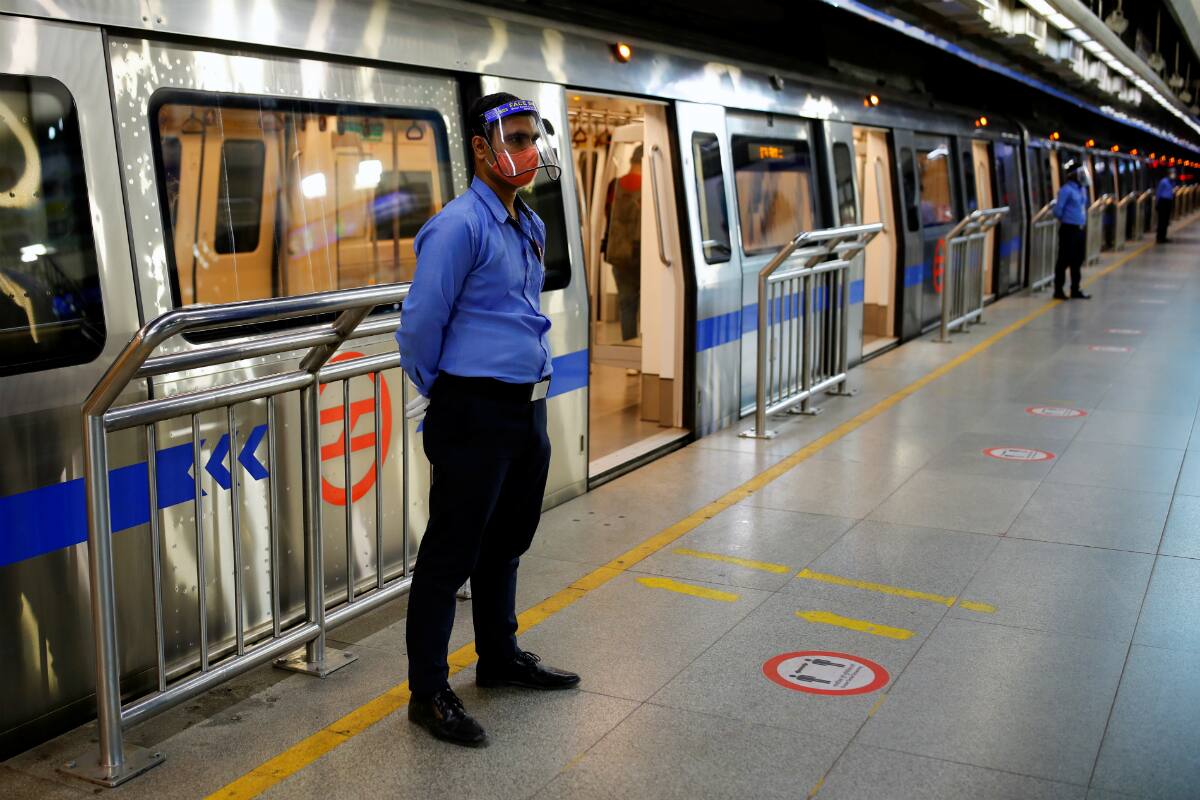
{"x": 977, "y": 578}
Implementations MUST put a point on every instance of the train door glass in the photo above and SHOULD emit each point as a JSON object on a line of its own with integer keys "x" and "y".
{"x": 626, "y": 191}
{"x": 50, "y": 306}
{"x": 250, "y": 222}
{"x": 937, "y": 214}
{"x": 873, "y": 161}
{"x": 1006, "y": 191}
{"x": 1054, "y": 176}
{"x": 980, "y": 161}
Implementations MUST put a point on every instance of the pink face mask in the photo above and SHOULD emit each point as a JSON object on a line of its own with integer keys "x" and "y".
{"x": 523, "y": 163}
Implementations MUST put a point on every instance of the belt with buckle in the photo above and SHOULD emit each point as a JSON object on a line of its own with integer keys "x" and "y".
{"x": 493, "y": 388}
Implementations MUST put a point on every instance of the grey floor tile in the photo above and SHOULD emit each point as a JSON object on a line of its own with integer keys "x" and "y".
{"x": 945, "y": 500}
{"x": 1008, "y": 699}
{"x": 785, "y": 538}
{"x": 837, "y": 488}
{"x": 926, "y": 560}
{"x": 1182, "y": 534}
{"x": 1085, "y": 591}
{"x": 1150, "y": 747}
{"x": 1149, "y": 399}
{"x": 967, "y": 454}
{"x": 899, "y": 447}
{"x": 871, "y": 773}
{"x": 17, "y": 784}
{"x": 674, "y": 755}
{"x": 628, "y": 640}
{"x": 1118, "y": 466}
{"x": 532, "y": 735}
{"x": 728, "y": 680}
{"x": 1143, "y": 430}
{"x": 1189, "y": 476}
{"x": 1093, "y": 516}
{"x": 1171, "y": 614}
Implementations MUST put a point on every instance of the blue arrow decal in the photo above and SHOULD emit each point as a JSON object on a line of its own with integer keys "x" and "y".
{"x": 216, "y": 463}
{"x": 247, "y": 459}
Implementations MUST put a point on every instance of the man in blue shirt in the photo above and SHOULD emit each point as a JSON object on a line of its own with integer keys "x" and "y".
{"x": 1071, "y": 210}
{"x": 474, "y": 342}
{"x": 1164, "y": 197}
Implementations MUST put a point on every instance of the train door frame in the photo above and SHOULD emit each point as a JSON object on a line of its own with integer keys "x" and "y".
{"x": 714, "y": 245}
{"x": 884, "y": 202}
{"x": 775, "y": 132}
{"x": 1009, "y": 190}
{"x": 844, "y": 207}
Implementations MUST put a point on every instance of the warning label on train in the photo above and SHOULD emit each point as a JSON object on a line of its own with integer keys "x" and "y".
{"x": 1058, "y": 412}
{"x": 825, "y": 672}
{"x": 334, "y": 442}
{"x": 1018, "y": 454}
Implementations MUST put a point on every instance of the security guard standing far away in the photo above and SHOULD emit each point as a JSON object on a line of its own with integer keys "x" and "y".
{"x": 473, "y": 340}
{"x": 1164, "y": 201}
{"x": 1071, "y": 210}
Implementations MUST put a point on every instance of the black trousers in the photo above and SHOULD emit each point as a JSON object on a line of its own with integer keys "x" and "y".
{"x": 490, "y": 461}
{"x": 1165, "y": 209}
{"x": 1072, "y": 242}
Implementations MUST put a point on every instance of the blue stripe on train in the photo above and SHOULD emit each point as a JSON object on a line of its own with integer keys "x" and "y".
{"x": 54, "y": 517}
{"x": 715, "y": 331}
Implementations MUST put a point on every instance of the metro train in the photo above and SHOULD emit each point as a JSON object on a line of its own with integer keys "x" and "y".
{"x": 159, "y": 155}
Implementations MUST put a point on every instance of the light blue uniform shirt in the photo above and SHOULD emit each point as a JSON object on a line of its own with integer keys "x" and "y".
{"x": 1071, "y": 205}
{"x": 474, "y": 309}
{"x": 1166, "y": 190}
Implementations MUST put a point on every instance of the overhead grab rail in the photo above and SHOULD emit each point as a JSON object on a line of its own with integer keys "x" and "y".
{"x": 1094, "y": 240}
{"x": 218, "y": 662}
{"x": 803, "y": 320}
{"x": 963, "y": 287}
{"x": 1122, "y": 220}
{"x": 1043, "y": 247}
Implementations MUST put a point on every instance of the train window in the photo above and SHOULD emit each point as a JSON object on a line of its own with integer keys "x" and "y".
{"x": 710, "y": 191}
{"x": 273, "y": 198}
{"x": 239, "y": 198}
{"x": 843, "y": 174}
{"x": 908, "y": 176}
{"x": 51, "y": 313}
{"x": 1125, "y": 176}
{"x": 774, "y": 191}
{"x": 933, "y": 169}
{"x": 545, "y": 197}
{"x": 968, "y": 166}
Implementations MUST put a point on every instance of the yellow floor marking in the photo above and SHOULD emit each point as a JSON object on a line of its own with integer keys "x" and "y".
{"x": 878, "y": 703}
{"x": 765, "y": 566}
{"x": 815, "y": 789}
{"x": 860, "y": 625}
{"x": 982, "y": 608}
{"x": 688, "y": 588}
{"x": 308, "y": 750}
{"x": 882, "y": 588}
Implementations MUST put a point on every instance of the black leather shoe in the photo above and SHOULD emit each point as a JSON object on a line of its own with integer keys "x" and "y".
{"x": 443, "y": 715}
{"x": 1080, "y": 296}
{"x": 524, "y": 671}
{"x": 1060, "y": 296}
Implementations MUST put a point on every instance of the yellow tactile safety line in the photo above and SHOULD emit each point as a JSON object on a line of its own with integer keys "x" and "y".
{"x": 308, "y": 750}
{"x": 689, "y": 589}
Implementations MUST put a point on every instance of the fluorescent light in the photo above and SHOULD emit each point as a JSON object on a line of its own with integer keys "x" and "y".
{"x": 1062, "y": 22}
{"x": 1092, "y": 46}
{"x": 30, "y": 252}
{"x": 313, "y": 186}
{"x": 1040, "y": 7}
{"x": 1078, "y": 35}
{"x": 368, "y": 175}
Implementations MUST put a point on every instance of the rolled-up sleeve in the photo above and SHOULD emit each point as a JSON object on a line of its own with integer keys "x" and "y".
{"x": 446, "y": 248}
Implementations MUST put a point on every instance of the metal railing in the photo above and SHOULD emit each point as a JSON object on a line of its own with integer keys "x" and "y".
{"x": 963, "y": 287}
{"x": 803, "y": 320}
{"x": 1143, "y": 214}
{"x": 1122, "y": 218}
{"x": 1094, "y": 241}
{"x": 318, "y": 343}
{"x": 1043, "y": 247}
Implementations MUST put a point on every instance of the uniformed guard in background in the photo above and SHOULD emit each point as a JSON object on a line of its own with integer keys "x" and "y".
{"x": 1164, "y": 201}
{"x": 474, "y": 342}
{"x": 1071, "y": 210}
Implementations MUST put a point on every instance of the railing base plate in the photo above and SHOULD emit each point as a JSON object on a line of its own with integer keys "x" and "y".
{"x": 753, "y": 434}
{"x": 137, "y": 761}
{"x": 808, "y": 412}
{"x": 842, "y": 392}
{"x": 334, "y": 660}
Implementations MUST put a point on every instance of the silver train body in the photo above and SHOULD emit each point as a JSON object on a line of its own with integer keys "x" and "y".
{"x": 121, "y": 65}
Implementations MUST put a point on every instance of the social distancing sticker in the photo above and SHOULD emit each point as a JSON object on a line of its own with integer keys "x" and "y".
{"x": 1125, "y": 331}
{"x": 826, "y": 672}
{"x": 1018, "y": 454}
{"x": 1056, "y": 412}
{"x": 1109, "y": 348}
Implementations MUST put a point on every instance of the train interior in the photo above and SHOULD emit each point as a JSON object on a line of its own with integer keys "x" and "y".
{"x": 874, "y": 164}
{"x": 623, "y": 175}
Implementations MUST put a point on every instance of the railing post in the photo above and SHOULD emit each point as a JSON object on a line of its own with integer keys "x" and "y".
{"x": 947, "y": 281}
{"x": 806, "y": 351}
{"x": 760, "y": 379}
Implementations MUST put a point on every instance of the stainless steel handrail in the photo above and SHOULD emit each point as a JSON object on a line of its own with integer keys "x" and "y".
{"x": 1121, "y": 219}
{"x": 812, "y": 254}
{"x": 963, "y": 289}
{"x": 1043, "y": 246}
{"x": 1143, "y": 213}
{"x": 660, "y": 223}
{"x": 1094, "y": 238}
{"x": 318, "y": 342}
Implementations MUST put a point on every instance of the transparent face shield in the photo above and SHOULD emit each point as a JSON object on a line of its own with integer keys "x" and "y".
{"x": 520, "y": 140}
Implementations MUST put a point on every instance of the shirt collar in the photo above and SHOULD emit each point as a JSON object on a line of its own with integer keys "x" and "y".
{"x": 494, "y": 203}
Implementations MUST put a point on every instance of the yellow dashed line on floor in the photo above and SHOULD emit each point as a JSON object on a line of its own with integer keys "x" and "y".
{"x": 689, "y": 589}
{"x": 982, "y": 608}
{"x": 308, "y": 750}
{"x": 860, "y": 625}
{"x": 881, "y": 588}
{"x": 765, "y": 566}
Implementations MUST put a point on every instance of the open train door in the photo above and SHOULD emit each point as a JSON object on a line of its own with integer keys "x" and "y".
{"x": 844, "y": 191}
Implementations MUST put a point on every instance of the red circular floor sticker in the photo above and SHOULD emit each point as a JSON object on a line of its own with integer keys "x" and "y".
{"x": 1109, "y": 348}
{"x": 1058, "y": 412}
{"x": 825, "y": 672}
{"x": 1125, "y": 331}
{"x": 1018, "y": 454}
